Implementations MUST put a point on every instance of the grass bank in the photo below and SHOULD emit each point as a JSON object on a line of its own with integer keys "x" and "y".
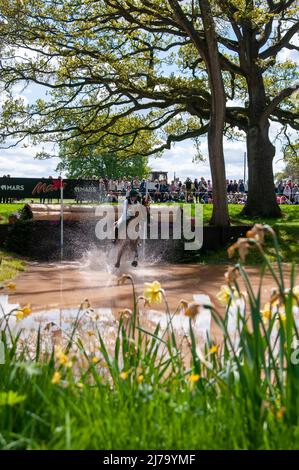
{"x": 286, "y": 227}
{"x": 10, "y": 266}
{"x": 7, "y": 209}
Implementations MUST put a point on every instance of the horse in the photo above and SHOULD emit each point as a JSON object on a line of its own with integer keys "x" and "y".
{"x": 128, "y": 244}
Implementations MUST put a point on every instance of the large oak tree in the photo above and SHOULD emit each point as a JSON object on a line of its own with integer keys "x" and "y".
{"x": 157, "y": 61}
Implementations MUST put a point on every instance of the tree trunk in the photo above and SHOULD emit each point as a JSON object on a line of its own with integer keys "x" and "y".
{"x": 220, "y": 216}
{"x": 261, "y": 200}
{"x": 208, "y": 50}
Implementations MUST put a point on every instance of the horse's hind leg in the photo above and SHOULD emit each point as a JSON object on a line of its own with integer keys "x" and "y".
{"x": 119, "y": 254}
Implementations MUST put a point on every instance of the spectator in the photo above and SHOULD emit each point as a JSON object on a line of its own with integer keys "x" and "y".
{"x": 241, "y": 186}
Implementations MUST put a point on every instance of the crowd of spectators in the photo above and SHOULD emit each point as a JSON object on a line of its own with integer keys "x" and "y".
{"x": 287, "y": 192}
{"x": 198, "y": 190}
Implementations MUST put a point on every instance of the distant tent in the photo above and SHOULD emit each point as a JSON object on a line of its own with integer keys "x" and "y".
{"x": 159, "y": 175}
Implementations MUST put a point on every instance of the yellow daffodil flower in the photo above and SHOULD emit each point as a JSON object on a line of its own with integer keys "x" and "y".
{"x": 19, "y": 315}
{"x": 23, "y": 312}
{"x": 27, "y": 310}
{"x": 224, "y": 295}
{"x": 124, "y": 375}
{"x": 153, "y": 292}
{"x": 62, "y": 357}
{"x": 214, "y": 349}
{"x": 194, "y": 378}
{"x": 266, "y": 312}
{"x": 56, "y": 378}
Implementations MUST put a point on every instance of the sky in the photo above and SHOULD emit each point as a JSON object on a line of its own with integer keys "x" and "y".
{"x": 19, "y": 161}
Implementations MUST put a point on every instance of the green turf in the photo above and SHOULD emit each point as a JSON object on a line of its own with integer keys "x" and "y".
{"x": 10, "y": 266}
{"x": 287, "y": 228}
{"x": 7, "y": 209}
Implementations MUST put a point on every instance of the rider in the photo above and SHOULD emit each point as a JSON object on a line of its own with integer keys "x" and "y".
{"x": 129, "y": 213}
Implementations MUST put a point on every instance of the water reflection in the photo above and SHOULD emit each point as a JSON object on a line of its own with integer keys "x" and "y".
{"x": 57, "y": 326}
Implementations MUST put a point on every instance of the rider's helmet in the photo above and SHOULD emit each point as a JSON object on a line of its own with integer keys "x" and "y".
{"x": 133, "y": 193}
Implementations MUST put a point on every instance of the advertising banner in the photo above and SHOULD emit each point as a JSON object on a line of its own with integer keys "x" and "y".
{"x": 48, "y": 188}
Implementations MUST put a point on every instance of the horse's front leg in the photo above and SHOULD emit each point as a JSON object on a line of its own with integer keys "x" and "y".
{"x": 134, "y": 245}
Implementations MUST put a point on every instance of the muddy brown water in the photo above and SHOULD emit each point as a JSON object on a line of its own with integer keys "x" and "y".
{"x": 55, "y": 291}
{"x": 67, "y": 284}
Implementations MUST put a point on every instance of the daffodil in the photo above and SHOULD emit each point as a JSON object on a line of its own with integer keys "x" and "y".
{"x": 141, "y": 298}
{"x": 242, "y": 245}
{"x": 27, "y": 310}
{"x": 257, "y": 232}
{"x": 275, "y": 297}
{"x": 224, "y": 295}
{"x": 62, "y": 357}
{"x": 85, "y": 305}
{"x": 19, "y": 314}
{"x": 193, "y": 378}
{"x": 124, "y": 375}
{"x": 95, "y": 360}
{"x": 214, "y": 349}
{"x": 231, "y": 274}
{"x": 126, "y": 313}
{"x": 11, "y": 286}
{"x": 153, "y": 292}
{"x": 140, "y": 379}
{"x": 22, "y": 313}
{"x": 56, "y": 378}
{"x": 190, "y": 309}
{"x": 266, "y": 312}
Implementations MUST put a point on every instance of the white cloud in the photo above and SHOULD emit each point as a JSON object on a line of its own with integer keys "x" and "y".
{"x": 179, "y": 160}
{"x": 18, "y": 161}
